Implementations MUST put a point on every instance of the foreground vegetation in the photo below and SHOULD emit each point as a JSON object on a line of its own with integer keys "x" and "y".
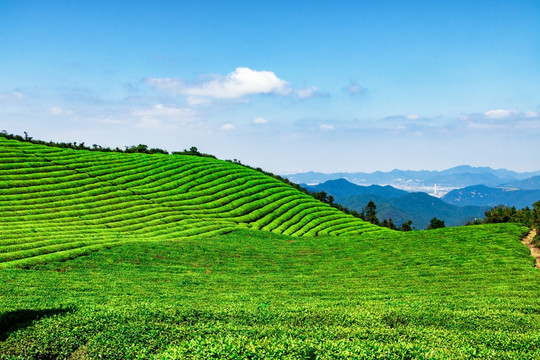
{"x": 448, "y": 293}
{"x": 200, "y": 258}
{"x": 60, "y": 203}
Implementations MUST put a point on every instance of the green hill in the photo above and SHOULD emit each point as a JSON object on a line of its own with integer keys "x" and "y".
{"x": 217, "y": 262}
{"x": 58, "y": 203}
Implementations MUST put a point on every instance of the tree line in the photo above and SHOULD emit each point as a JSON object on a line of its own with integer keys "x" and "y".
{"x": 529, "y": 217}
{"x": 141, "y": 148}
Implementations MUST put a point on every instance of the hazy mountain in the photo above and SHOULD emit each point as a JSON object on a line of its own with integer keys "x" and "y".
{"x": 457, "y": 177}
{"x": 532, "y": 183}
{"x": 343, "y": 188}
{"x": 481, "y": 195}
{"x": 418, "y": 207}
{"x": 399, "y": 205}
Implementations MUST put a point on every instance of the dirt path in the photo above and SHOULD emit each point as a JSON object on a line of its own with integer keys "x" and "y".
{"x": 534, "y": 250}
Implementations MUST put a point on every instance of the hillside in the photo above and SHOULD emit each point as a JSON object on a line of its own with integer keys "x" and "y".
{"x": 58, "y": 203}
{"x": 217, "y": 261}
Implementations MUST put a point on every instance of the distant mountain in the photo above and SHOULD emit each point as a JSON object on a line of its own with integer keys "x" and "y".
{"x": 532, "y": 183}
{"x": 343, "y": 188}
{"x": 399, "y": 205}
{"x": 418, "y": 207}
{"x": 481, "y": 195}
{"x": 457, "y": 177}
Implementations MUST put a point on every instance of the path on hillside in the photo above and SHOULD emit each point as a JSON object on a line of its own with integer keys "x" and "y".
{"x": 534, "y": 250}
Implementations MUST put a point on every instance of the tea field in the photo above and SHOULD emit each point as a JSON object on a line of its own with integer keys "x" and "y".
{"x": 137, "y": 256}
{"x": 57, "y": 204}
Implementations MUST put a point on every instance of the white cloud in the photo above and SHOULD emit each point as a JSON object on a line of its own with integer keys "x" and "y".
{"x": 531, "y": 114}
{"x": 354, "y": 89}
{"x": 310, "y": 92}
{"x": 195, "y": 101}
{"x": 166, "y": 85}
{"x": 57, "y": 111}
{"x": 227, "y": 127}
{"x": 161, "y": 110}
{"x": 484, "y": 126}
{"x": 241, "y": 82}
{"x": 327, "y": 127}
{"x": 12, "y": 96}
{"x": 260, "y": 120}
{"x": 149, "y": 123}
{"x": 499, "y": 114}
{"x": 412, "y": 117}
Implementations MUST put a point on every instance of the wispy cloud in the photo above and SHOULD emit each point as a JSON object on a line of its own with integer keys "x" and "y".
{"x": 241, "y": 82}
{"x": 311, "y": 92}
{"x": 58, "y": 111}
{"x": 196, "y": 101}
{"x": 227, "y": 127}
{"x": 327, "y": 127}
{"x": 499, "y": 114}
{"x": 353, "y": 89}
{"x": 12, "y": 96}
{"x": 161, "y": 110}
{"x": 160, "y": 114}
{"x": 502, "y": 119}
{"x": 260, "y": 120}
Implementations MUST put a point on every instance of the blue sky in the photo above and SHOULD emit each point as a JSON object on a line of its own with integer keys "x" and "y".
{"x": 289, "y": 86}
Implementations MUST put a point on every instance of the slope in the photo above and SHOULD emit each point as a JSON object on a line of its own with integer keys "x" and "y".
{"x": 57, "y": 204}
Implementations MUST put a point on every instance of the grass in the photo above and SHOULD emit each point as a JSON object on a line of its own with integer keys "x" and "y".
{"x": 119, "y": 197}
{"x": 137, "y": 256}
{"x": 451, "y": 293}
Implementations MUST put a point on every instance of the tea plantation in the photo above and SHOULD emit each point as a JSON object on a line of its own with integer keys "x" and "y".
{"x": 194, "y": 258}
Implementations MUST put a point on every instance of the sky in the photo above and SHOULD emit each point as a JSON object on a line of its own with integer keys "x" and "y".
{"x": 288, "y": 86}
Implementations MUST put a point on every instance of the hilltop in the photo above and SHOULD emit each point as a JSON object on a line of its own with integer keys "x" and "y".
{"x": 49, "y": 196}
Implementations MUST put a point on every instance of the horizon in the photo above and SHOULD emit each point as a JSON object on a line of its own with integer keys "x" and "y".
{"x": 290, "y": 87}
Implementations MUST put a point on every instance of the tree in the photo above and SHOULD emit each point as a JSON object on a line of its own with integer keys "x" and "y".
{"x": 436, "y": 224}
{"x": 371, "y": 213}
{"x": 406, "y": 226}
{"x": 389, "y": 223}
{"x": 504, "y": 214}
{"x": 536, "y": 214}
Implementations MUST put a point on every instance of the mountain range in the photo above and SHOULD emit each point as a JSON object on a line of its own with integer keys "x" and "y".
{"x": 487, "y": 196}
{"x": 399, "y": 205}
{"x": 424, "y": 180}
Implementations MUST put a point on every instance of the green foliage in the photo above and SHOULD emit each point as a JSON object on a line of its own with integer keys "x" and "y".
{"x": 371, "y": 213}
{"x": 61, "y": 193}
{"x": 505, "y": 214}
{"x": 108, "y": 255}
{"x": 253, "y": 294}
{"x": 436, "y": 224}
{"x": 407, "y": 226}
